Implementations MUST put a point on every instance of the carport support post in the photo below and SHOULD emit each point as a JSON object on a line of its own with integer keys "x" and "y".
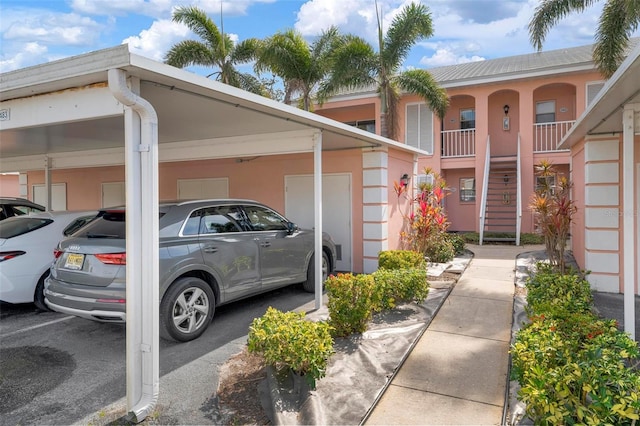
{"x": 628, "y": 219}
{"x": 142, "y": 309}
{"x": 317, "y": 200}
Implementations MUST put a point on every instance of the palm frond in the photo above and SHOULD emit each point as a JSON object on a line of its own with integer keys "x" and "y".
{"x": 197, "y": 21}
{"x": 612, "y": 37}
{"x": 249, "y": 82}
{"x": 410, "y": 25}
{"x": 245, "y": 51}
{"x": 549, "y": 13}
{"x": 422, "y": 83}
{"x": 354, "y": 64}
{"x": 189, "y": 52}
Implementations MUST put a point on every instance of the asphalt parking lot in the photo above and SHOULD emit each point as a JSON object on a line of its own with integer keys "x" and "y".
{"x": 58, "y": 369}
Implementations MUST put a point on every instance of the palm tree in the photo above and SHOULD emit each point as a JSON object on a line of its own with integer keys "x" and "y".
{"x": 355, "y": 64}
{"x": 619, "y": 19}
{"x": 215, "y": 50}
{"x": 300, "y": 65}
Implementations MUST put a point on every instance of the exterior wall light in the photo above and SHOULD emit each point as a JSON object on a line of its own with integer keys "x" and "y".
{"x": 506, "y": 109}
{"x": 404, "y": 180}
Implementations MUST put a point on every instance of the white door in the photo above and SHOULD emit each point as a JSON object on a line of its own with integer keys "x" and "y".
{"x": 197, "y": 189}
{"x": 58, "y": 196}
{"x": 113, "y": 194}
{"x": 336, "y": 209}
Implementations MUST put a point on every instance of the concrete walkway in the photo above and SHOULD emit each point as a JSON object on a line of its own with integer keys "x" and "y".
{"x": 457, "y": 372}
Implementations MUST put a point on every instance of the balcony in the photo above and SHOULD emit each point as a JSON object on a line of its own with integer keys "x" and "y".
{"x": 458, "y": 143}
{"x": 547, "y": 136}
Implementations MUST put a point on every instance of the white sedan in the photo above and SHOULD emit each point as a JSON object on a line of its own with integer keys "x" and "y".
{"x": 26, "y": 252}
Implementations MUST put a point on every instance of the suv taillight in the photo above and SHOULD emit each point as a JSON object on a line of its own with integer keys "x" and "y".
{"x": 112, "y": 258}
{"x": 57, "y": 253}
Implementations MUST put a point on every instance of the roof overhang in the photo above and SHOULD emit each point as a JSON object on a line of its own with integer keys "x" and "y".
{"x": 604, "y": 114}
{"x": 64, "y": 108}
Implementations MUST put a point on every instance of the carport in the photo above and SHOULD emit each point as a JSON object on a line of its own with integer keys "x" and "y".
{"x": 112, "y": 107}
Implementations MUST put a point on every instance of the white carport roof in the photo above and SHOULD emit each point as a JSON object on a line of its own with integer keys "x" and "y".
{"x": 215, "y": 119}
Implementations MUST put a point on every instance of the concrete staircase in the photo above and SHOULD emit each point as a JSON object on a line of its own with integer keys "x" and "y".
{"x": 501, "y": 210}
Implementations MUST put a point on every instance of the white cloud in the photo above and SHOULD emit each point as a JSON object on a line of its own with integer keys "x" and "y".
{"x": 24, "y": 58}
{"x": 447, "y": 57}
{"x": 156, "y": 41}
{"x": 48, "y": 27}
{"x": 160, "y": 8}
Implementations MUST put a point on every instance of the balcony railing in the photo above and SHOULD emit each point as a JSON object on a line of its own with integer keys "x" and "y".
{"x": 547, "y": 136}
{"x": 458, "y": 143}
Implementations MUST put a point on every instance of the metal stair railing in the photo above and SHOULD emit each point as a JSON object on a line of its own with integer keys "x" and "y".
{"x": 518, "y": 194}
{"x": 485, "y": 188}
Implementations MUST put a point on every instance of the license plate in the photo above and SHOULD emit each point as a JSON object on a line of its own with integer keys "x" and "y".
{"x": 74, "y": 261}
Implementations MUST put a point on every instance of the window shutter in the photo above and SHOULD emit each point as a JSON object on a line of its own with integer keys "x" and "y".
{"x": 592, "y": 91}
{"x": 419, "y": 127}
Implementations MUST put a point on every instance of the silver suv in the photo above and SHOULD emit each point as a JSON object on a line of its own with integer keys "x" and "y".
{"x": 211, "y": 252}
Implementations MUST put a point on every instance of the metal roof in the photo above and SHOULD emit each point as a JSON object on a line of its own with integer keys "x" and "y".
{"x": 529, "y": 65}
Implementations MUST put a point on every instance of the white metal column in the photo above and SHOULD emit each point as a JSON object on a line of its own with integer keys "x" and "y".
{"x": 317, "y": 195}
{"x": 628, "y": 221}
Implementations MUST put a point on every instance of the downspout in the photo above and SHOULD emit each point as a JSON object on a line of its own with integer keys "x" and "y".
{"x": 141, "y": 153}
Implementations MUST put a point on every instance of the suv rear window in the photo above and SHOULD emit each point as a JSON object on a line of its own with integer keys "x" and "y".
{"x": 108, "y": 224}
{"x": 13, "y": 227}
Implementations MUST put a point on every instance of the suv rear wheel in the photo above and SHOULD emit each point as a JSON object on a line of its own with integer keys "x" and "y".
{"x": 310, "y": 284}
{"x": 186, "y": 309}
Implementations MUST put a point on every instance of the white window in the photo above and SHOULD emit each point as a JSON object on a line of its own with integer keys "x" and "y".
{"x": 546, "y": 112}
{"x": 423, "y": 180}
{"x": 467, "y": 119}
{"x": 419, "y": 127}
{"x": 593, "y": 88}
{"x": 467, "y": 189}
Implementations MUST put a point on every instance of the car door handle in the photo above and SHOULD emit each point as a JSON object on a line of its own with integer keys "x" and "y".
{"x": 265, "y": 244}
{"x": 210, "y": 249}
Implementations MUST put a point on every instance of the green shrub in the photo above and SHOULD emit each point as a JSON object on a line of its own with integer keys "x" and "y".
{"x": 457, "y": 240}
{"x": 394, "y": 286}
{"x": 440, "y": 250}
{"x": 351, "y": 299}
{"x": 288, "y": 340}
{"x": 551, "y": 293}
{"x": 401, "y": 259}
{"x": 573, "y": 368}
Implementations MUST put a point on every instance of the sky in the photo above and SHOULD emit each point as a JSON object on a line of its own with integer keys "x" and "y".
{"x": 37, "y": 31}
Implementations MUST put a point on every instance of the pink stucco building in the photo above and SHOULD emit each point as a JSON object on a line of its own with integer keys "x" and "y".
{"x": 505, "y": 116}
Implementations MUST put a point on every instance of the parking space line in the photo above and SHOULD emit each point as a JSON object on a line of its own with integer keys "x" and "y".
{"x": 37, "y": 326}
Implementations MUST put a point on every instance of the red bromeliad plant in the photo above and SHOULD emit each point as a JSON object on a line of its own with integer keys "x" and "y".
{"x": 427, "y": 221}
{"x": 554, "y": 210}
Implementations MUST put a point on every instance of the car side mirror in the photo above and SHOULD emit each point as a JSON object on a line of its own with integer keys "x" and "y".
{"x": 291, "y": 228}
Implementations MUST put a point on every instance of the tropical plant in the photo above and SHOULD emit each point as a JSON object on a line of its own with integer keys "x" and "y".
{"x": 300, "y": 65}
{"x": 356, "y": 64}
{"x": 426, "y": 225}
{"x": 553, "y": 210}
{"x": 215, "y": 50}
{"x": 619, "y": 19}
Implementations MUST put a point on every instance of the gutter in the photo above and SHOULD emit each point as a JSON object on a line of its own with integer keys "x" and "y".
{"x": 141, "y": 161}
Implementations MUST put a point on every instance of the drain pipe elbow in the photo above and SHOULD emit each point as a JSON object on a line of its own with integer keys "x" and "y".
{"x": 148, "y": 386}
